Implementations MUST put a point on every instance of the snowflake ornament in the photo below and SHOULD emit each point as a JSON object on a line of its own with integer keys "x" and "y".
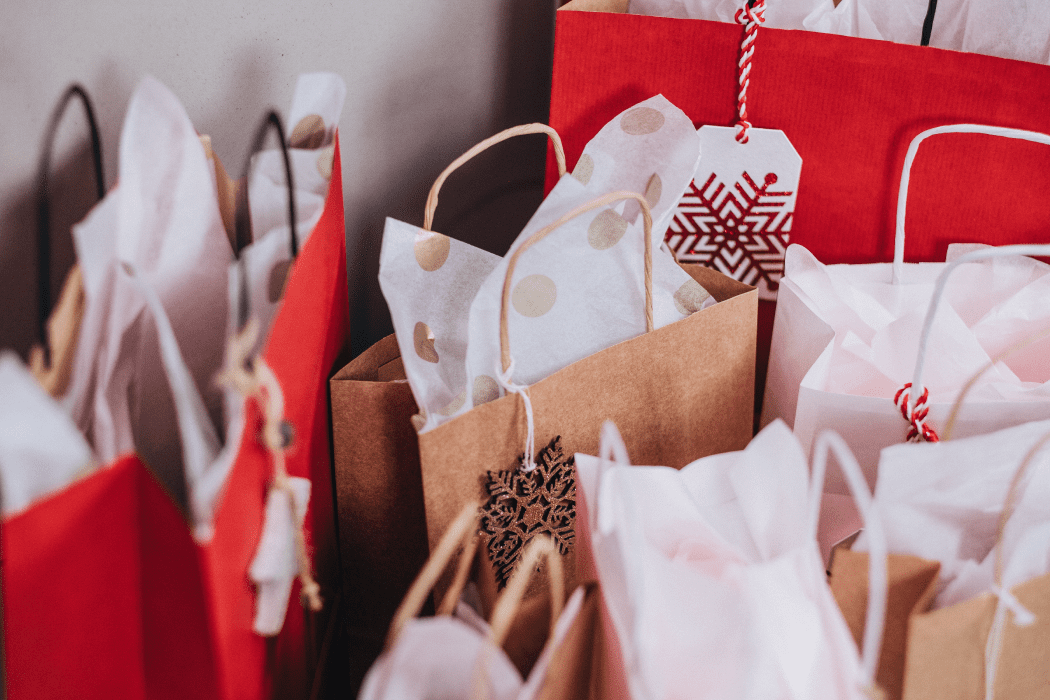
{"x": 524, "y": 504}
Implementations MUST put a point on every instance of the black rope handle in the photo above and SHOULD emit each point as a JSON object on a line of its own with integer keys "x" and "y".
{"x": 927, "y": 24}
{"x": 243, "y": 217}
{"x": 43, "y": 197}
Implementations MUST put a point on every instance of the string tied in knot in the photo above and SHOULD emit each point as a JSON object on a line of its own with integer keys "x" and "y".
{"x": 504, "y": 378}
{"x": 751, "y": 15}
{"x": 919, "y": 430}
{"x": 253, "y": 379}
{"x": 1023, "y": 617}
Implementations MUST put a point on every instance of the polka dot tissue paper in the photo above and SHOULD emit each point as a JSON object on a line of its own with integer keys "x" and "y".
{"x": 573, "y": 293}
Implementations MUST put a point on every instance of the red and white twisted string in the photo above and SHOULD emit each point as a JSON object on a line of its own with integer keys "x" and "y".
{"x": 919, "y": 431}
{"x": 751, "y": 16}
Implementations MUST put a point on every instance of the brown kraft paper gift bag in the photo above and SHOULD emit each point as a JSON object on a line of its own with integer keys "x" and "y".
{"x": 943, "y": 654}
{"x": 382, "y": 529}
{"x": 678, "y": 393}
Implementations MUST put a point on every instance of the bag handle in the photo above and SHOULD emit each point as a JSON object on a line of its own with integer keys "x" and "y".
{"x": 507, "y": 606}
{"x": 43, "y": 197}
{"x": 461, "y": 533}
{"x": 949, "y": 425}
{"x": 902, "y": 195}
{"x": 927, "y": 23}
{"x": 647, "y": 218}
{"x": 243, "y": 216}
{"x": 1005, "y": 599}
{"x": 522, "y": 130}
{"x": 875, "y": 620}
{"x": 510, "y": 602}
{"x": 912, "y": 397}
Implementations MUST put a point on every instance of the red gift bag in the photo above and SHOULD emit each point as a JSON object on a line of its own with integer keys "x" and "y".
{"x": 106, "y": 593}
{"x": 850, "y": 107}
{"x": 308, "y": 333}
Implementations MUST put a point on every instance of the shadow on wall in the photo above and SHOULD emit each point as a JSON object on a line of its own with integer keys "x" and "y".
{"x": 72, "y": 196}
{"x": 488, "y": 201}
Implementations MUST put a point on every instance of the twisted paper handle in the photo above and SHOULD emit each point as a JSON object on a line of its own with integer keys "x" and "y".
{"x": 751, "y": 16}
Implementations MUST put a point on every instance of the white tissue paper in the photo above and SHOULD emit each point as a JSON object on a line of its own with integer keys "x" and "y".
{"x": 942, "y": 501}
{"x": 1017, "y": 29}
{"x": 41, "y": 450}
{"x": 312, "y": 121}
{"x": 780, "y": 14}
{"x": 712, "y": 577}
{"x": 444, "y": 656}
{"x": 578, "y": 291}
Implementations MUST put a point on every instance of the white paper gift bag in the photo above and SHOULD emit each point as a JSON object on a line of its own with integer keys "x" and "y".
{"x": 850, "y": 341}
{"x": 711, "y": 577}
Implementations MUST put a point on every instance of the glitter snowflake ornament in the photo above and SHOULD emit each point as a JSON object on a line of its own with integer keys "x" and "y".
{"x": 522, "y": 504}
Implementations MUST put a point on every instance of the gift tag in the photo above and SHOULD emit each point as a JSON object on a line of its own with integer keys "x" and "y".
{"x": 736, "y": 215}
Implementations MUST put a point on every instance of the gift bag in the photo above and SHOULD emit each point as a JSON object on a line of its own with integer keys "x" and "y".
{"x": 380, "y": 492}
{"x": 457, "y": 653}
{"x": 852, "y": 342}
{"x": 69, "y": 533}
{"x": 710, "y": 576}
{"x": 968, "y": 533}
{"x": 467, "y": 453}
{"x": 249, "y": 591}
{"x": 849, "y": 107}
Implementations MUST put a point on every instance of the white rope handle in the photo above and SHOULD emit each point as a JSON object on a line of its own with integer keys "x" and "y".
{"x": 902, "y": 195}
{"x": 611, "y": 451}
{"x": 875, "y": 620}
{"x": 938, "y": 292}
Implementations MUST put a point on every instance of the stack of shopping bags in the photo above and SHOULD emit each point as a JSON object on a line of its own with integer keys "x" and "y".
{"x": 168, "y": 502}
{"x": 912, "y": 565}
{"x": 763, "y": 268}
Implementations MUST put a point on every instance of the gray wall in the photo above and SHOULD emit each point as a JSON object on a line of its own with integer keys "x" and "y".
{"x": 426, "y": 80}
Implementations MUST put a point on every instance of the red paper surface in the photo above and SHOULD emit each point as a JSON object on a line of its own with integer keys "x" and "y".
{"x": 849, "y": 106}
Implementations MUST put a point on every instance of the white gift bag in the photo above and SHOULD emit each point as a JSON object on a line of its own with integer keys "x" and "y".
{"x": 850, "y": 341}
{"x": 711, "y": 578}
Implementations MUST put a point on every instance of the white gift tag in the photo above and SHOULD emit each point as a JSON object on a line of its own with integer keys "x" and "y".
{"x": 736, "y": 215}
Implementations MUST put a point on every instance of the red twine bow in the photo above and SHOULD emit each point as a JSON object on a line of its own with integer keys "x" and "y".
{"x": 751, "y": 16}
{"x": 919, "y": 432}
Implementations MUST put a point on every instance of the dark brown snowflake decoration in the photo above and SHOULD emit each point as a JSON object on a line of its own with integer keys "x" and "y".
{"x": 524, "y": 504}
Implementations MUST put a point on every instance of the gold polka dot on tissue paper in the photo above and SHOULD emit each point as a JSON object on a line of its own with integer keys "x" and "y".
{"x": 419, "y": 420}
{"x": 584, "y": 169}
{"x": 431, "y": 249}
{"x": 455, "y": 404}
{"x": 653, "y": 190}
{"x": 606, "y": 230}
{"x": 690, "y": 298}
{"x": 641, "y": 120}
{"x": 308, "y": 133}
{"x": 423, "y": 338}
{"x": 534, "y": 295}
{"x": 278, "y": 278}
{"x": 325, "y": 158}
{"x": 485, "y": 389}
